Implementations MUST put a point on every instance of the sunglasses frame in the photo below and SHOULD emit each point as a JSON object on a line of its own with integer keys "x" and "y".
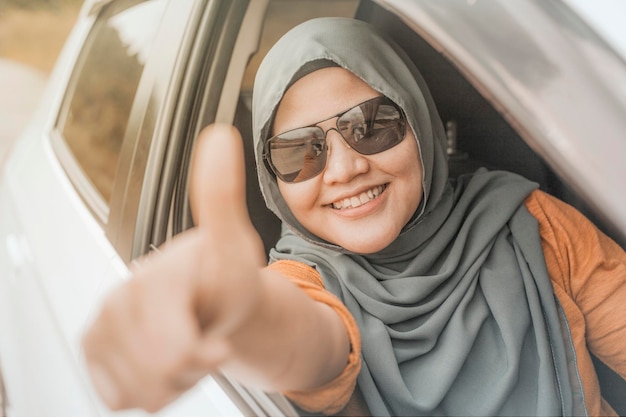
{"x": 381, "y": 99}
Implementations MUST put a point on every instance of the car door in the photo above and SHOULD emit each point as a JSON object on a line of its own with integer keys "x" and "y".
{"x": 71, "y": 190}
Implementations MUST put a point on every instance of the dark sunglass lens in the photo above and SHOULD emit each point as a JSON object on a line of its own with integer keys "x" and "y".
{"x": 373, "y": 126}
{"x": 299, "y": 154}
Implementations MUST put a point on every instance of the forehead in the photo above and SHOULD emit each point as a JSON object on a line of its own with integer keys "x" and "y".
{"x": 318, "y": 96}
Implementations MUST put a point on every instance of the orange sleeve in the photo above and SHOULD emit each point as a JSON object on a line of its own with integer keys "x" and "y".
{"x": 333, "y": 396}
{"x": 588, "y": 273}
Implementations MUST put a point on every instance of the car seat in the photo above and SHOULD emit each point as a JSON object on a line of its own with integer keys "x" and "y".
{"x": 266, "y": 223}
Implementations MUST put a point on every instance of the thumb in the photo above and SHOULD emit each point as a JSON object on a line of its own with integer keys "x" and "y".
{"x": 218, "y": 182}
{"x": 217, "y": 190}
{"x": 231, "y": 251}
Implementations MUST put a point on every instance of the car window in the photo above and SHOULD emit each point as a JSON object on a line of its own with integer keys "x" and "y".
{"x": 95, "y": 112}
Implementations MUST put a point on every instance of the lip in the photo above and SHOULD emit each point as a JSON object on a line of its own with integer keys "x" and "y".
{"x": 355, "y": 192}
{"x": 363, "y": 209}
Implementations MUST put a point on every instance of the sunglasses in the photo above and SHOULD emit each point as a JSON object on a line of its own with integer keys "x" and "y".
{"x": 369, "y": 128}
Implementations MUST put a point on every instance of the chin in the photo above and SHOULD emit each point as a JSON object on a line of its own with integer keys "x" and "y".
{"x": 366, "y": 245}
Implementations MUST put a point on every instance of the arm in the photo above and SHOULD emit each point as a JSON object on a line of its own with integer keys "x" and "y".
{"x": 588, "y": 271}
{"x": 206, "y": 302}
{"x": 339, "y": 395}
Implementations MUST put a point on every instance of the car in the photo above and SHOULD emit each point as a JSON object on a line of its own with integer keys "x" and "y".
{"x": 99, "y": 176}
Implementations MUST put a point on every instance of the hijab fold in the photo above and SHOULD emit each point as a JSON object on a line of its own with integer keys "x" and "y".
{"x": 457, "y": 315}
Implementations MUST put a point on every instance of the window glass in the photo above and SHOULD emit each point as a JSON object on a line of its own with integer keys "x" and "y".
{"x": 96, "y": 110}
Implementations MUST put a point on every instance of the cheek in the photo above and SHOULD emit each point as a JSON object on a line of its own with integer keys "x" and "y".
{"x": 408, "y": 172}
{"x": 416, "y": 177}
{"x": 300, "y": 197}
{"x": 403, "y": 162}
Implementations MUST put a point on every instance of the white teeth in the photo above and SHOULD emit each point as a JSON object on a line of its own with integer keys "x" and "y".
{"x": 359, "y": 200}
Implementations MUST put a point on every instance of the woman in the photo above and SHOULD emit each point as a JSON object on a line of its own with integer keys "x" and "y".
{"x": 477, "y": 296}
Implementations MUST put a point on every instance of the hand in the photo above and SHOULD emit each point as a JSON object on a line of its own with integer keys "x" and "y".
{"x": 169, "y": 325}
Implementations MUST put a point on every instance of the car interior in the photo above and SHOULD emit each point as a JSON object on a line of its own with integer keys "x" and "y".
{"x": 477, "y": 134}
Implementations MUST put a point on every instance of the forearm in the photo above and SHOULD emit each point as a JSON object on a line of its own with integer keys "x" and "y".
{"x": 290, "y": 342}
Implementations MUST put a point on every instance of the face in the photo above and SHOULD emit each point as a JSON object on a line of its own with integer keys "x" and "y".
{"x": 359, "y": 202}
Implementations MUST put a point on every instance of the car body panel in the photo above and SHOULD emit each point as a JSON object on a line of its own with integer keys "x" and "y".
{"x": 34, "y": 342}
{"x": 48, "y": 297}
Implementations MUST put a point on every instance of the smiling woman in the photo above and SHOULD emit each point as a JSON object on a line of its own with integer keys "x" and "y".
{"x": 388, "y": 274}
{"x": 324, "y": 200}
{"x": 458, "y": 297}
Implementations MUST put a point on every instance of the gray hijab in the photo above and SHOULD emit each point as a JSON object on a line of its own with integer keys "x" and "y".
{"x": 457, "y": 315}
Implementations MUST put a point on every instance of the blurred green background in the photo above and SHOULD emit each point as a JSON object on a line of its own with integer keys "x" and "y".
{"x": 33, "y": 32}
{"x": 38, "y": 4}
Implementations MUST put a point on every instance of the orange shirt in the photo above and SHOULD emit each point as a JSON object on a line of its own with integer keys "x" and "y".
{"x": 588, "y": 273}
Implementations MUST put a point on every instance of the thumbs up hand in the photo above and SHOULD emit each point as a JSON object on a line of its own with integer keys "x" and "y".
{"x": 171, "y": 323}
{"x": 232, "y": 251}
{"x": 205, "y": 302}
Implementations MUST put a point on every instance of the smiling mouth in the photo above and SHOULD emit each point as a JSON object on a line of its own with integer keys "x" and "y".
{"x": 359, "y": 200}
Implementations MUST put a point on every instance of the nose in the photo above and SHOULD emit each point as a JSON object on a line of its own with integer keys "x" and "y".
{"x": 343, "y": 163}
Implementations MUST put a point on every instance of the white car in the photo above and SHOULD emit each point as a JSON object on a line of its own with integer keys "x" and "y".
{"x": 99, "y": 176}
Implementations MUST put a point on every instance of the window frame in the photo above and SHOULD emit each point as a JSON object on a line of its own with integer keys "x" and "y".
{"x": 139, "y": 171}
{"x": 205, "y": 71}
{"x": 155, "y": 95}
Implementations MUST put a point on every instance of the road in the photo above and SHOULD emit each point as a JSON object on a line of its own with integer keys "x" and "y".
{"x": 20, "y": 89}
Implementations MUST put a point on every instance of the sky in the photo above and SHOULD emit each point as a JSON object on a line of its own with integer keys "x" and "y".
{"x": 607, "y": 17}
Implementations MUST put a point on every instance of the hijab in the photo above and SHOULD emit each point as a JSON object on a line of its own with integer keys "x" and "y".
{"x": 457, "y": 315}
